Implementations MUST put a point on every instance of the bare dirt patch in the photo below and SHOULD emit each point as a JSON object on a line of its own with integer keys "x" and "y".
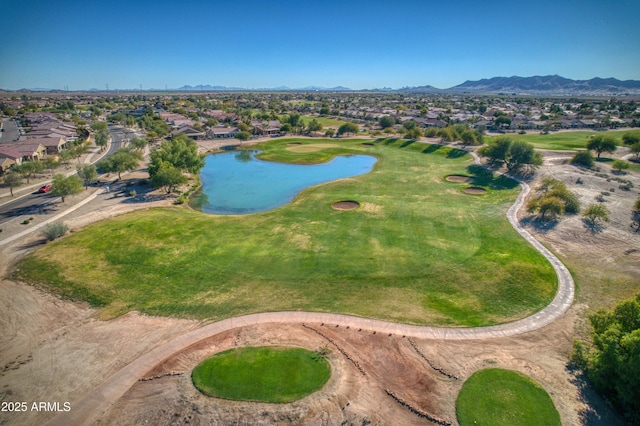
{"x": 473, "y": 190}
{"x": 345, "y": 205}
{"x": 457, "y": 178}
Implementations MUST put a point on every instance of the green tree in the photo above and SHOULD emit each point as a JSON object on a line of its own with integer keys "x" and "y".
{"x": 79, "y": 150}
{"x": 66, "y": 156}
{"x": 595, "y": 213}
{"x": 243, "y": 136}
{"x": 12, "y": 180}
{"x": 330, "y": 133}
{"x": 314, "y": 126}
{"x": 497, "y": 150}
{"x": 87, "y": 172}
{"x": 620, "y": 165}
{"x": 611, "y": 363}
{"x": 50, "y": 163}
{"x": 469, "y": 137}
{"x": 139, "y": 144}
{"x": 29, "y": 168}
{"x": 446, "y": 134}
{"x": 181, "y": 152}
{"x": 99, "y": 125}
{"x": 414, "y": 133}
{"x": 549, "y": 192}
{"x": 583, "y": 158}
{"x": 502, "y": 122}
{"x": 121, "y": 161}
{"x": 62, "y": 186}
{"x": 630, "y": 138}
{"x": 168, "y": 177}
{"x": 549, "y": 204}
{"x": 601, "y": 144}
{"x": 102, "y": 138}
{"x": 347, "y": 128}
{"x": 522, "y": 154}
{"x": 286, "y": 128}
{"x": 409, "y": 125}
{"x": 294, "y": 120}
{"x": 386, "y": 121}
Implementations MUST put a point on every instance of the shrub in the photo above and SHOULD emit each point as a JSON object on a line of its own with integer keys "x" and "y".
{"x": 583, "y": 158}
{"x": 595, "y": 213}
{"x": 553, "y": 198}
{"x": 620, "y": 165}
{"x": 54, "y": 230}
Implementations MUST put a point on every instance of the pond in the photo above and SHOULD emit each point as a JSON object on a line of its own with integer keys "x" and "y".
{"x": 239, "y": 183}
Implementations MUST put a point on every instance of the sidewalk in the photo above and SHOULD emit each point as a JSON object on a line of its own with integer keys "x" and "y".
{"x": 37, "y": 182}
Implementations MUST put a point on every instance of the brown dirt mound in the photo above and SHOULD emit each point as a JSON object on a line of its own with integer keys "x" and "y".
{"x": 345, "y": 205}
{"x": 474, "y": 190}
{"x": 457, "y": 178}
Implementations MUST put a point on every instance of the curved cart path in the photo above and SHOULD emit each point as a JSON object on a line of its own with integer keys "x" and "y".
{"x": 95, "y": 403}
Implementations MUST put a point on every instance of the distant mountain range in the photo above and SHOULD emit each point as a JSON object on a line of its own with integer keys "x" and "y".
{"x": 550, "y": 84}
{"x": 537, "y": 85}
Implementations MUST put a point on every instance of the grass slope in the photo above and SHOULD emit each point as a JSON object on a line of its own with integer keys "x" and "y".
{"x": 418, "y": 250}
{"x": 496, "y": 397}
{"x": 263, "y": 374}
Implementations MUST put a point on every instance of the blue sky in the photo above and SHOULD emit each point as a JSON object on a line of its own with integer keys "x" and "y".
{"x": 358, "y": 44}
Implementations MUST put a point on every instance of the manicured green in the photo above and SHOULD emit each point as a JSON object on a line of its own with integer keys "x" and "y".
{"x": 418, "y": 250}
{"x": 263, "y": 374}
{"x": 566, "y": 141}
{"x": 496, "y": 397}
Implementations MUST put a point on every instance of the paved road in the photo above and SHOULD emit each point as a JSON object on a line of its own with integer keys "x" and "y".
{"x": 10, "y": 134}
{"x": 35, "y": 203}
{"x": 95, "y": 403}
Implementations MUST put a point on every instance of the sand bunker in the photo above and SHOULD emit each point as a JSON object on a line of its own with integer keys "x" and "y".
{"x": 474, "y": 190}
{"x": 345, "y": 205}
{"x": 457, "y": 178}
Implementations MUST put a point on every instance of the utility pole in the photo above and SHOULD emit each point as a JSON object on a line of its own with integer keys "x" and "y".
{"x": 107, "y": 87}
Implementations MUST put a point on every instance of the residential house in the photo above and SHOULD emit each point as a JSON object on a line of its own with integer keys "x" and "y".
{"x": 53, "y": 145}
{"x": 30, "y": 151}
{"x": 266, "y": 128}
{"x": 9, "y": 157}
{"x": 189, "y": 131}
{"x": 222, "y": 132}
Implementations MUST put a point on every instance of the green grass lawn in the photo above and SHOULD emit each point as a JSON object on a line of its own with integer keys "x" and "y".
{"x": 418, "y": 250}
{"x": 565, "y": 140}
{"x": 325, "y": 121}
{"x": 263, "y": 374}
{"x": 496, "y": 397}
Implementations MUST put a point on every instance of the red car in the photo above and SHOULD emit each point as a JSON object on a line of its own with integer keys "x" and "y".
{"x": 45, "y": 188}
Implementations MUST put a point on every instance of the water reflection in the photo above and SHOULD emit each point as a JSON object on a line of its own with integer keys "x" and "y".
{"x": 239, "y": 183}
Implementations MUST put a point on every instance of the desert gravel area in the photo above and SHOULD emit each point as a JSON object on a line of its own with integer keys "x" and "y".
{"x": 55, "y": 350}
